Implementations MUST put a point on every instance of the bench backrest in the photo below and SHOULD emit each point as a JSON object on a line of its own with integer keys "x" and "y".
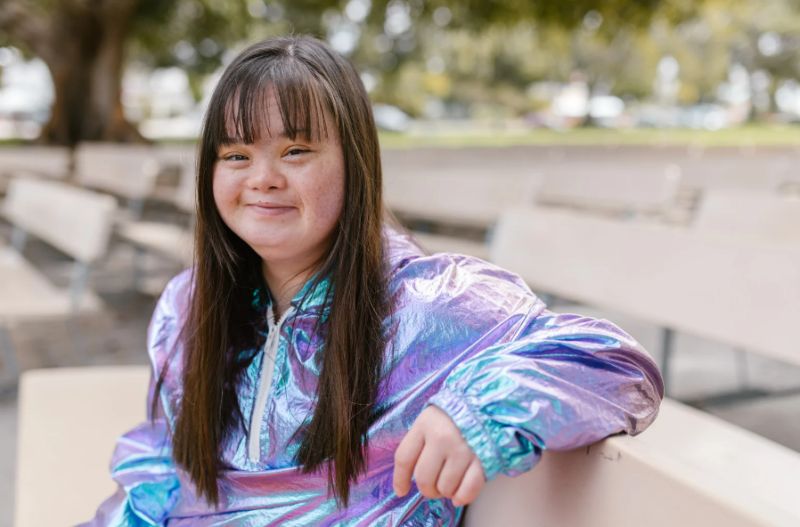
{"x": 183, "y": 159}
{"x": 48, "y": 161}
{"x": 731, "y": 170}
{"x": 686, "y": 469}
{"x": 753, "y": 215}
{"x": 69, "y": 420}
{"x": 475, "y": 200}
{"x": 73, "y": 220}
{"x": 621, "y": 188}
{"x": 739, "y": 292}
{"x": 186, "y": 190}
{"x": 129, "y": 171}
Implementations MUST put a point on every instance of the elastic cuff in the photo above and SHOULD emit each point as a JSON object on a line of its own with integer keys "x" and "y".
{"x": 472, "y": 429}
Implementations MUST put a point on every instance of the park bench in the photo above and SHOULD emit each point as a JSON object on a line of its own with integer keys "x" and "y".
{"x": 630, "y": 189}
{"x": 474, "y": 200}
{"x": 171, "y": 241}
{"x": 741, "y": 292}
{"x": 429, "y": 197}
{"x": 749, "y": 215}
{"x": 436, "y": 201}
{"x": 50, "y": 162}
{"x": 75, "y": 221}
{"x": 176, "y": 182}
{"x": 126, "y": 171}
{"x": 687, "y": 469}
{"x": 727, "y": 169}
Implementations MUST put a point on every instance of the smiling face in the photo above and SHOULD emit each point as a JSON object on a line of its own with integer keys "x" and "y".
{"x": 282, "y": 196}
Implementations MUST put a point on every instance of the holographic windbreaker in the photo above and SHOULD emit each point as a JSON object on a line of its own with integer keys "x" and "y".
{"x": 469, "y": 337}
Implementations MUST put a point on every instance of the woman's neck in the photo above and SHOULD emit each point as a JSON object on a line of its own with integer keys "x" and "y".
{"x": 283, "y": 285}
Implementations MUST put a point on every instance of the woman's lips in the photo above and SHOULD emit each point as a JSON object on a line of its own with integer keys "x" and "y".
{"x": 269, "y": 209}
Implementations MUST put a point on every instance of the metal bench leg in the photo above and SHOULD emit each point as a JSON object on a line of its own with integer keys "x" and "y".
{"x": 18, "y": 239}
{"x": 79, "y": 341}
{"x": 741, "y": 369}
{"x": 78, "y": 284}
{"x": 136, "y": 208}
{"x": 667, "y": 349}
{"x": 8, "y": 380}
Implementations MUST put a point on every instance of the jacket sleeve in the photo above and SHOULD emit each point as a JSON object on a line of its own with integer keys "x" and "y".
{"x": 142, "y": 463}
{"x": 148, "y": 487}
{"x": 563, "y": 381}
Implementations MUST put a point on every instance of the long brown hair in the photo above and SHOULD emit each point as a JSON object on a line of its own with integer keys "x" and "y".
{"x": 309, "y": 81}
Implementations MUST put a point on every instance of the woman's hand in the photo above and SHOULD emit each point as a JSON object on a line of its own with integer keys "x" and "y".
{"x": 442, "y": 463}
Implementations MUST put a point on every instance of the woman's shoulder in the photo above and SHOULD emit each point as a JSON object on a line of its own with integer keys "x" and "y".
{"x": 166, "y": 324}
{"x": 442, "y": 282}
{"x": 174, "y": 300}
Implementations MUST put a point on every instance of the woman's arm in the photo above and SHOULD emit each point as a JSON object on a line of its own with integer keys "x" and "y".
{"x": 142, "y": 463}
{"x": 564, "y": 381}
{"x": 143, "y": 468}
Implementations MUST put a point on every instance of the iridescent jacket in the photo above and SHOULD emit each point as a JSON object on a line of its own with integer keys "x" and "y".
{"x": 469, "y": 337}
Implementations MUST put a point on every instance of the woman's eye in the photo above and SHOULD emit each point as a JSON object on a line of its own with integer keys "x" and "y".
{"x": 292, "y": 152}
{"x": 234, "y": 157}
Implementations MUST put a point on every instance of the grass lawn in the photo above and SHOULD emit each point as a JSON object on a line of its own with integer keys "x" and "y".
{"x": 746, "y": 136}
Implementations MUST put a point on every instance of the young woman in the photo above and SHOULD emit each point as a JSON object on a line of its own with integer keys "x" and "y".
{"x": 314, "y": 367}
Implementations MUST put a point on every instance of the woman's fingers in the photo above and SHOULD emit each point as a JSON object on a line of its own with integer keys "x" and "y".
{"x": 426, "y": 473}
{"x": 405, "y": 459}
{"x": 453, "y": 471}
{"x": 439, "y": 459}
{"x": 471, "y": 485}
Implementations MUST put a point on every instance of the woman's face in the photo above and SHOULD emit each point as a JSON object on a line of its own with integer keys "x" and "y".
{"x": 283, "y": 197}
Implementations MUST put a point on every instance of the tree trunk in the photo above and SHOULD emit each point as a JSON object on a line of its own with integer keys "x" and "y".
{"x": 86, "y": 61}
{"x": 82, "y": 43}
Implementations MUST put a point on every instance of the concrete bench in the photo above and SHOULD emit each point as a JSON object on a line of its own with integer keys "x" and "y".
{"x": 434, "y": 243}
{"x": 49, "y": 162}
{"x": 78, "y": 223}
{"x": 452, "y": 198}
{"x": 633, "y": 188}
{"x": 172, "y": 241}
{"x": 180, "y": 190}
{"x": 741, "y": 292}
{"x": 447, "y": 199}
{"x": 687, "y": 469}
{"x": 749, "y": 215}
{"x": 168, "y": 239}
{"x": 69, "y": 419}
{"x": 126, "y": 171}
{"x": 724, "y": 169}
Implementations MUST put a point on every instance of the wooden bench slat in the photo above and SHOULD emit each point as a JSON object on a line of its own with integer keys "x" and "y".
{"x": 745, "y": 294}
{"x": 29, "y": 295}
{"x": 166, "y": 239}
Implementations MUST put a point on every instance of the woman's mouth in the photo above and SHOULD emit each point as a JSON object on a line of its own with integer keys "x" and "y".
{"x": 270, "y": 209}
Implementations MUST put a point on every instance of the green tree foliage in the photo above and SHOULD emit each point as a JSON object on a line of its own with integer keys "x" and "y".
{"x": 85, "y": 44}
{"x": 488, "y": 51}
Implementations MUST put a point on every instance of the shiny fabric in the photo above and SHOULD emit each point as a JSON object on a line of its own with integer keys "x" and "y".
{"x": 467, "y": 336}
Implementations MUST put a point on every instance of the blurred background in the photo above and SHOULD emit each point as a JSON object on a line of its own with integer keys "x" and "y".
{"x": 664, "y": 132}
{"x": 126, "y": 69}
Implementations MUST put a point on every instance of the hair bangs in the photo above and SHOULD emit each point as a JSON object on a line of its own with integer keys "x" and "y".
{"x": 303, "y": 103}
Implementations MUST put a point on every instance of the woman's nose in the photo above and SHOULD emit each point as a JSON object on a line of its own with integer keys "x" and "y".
{"x": 266, "y": 175}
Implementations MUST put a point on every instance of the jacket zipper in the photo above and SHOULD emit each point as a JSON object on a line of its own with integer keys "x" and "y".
{"x": 265, "y": 383}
